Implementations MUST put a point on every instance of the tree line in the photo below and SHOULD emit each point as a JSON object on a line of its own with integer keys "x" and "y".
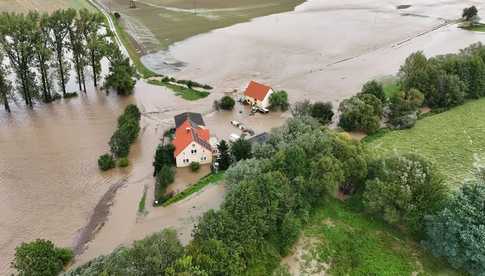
{"x": 42, "y": 50}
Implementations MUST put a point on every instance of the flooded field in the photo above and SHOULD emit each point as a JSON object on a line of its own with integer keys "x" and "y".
{"x": 49, "y": 180}
{"x": 42, "y": 5}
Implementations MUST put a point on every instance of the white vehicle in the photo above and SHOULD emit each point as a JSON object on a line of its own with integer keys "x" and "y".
{"x": 234, "y": 137}
{"x": 235, "y": 123}
{"x": 242, "y": 127}
{"x": 263, "y": 110}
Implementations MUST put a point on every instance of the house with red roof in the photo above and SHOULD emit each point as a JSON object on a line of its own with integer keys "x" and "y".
{"x": 258, "y": 94}
{"x": 192, "y": 140}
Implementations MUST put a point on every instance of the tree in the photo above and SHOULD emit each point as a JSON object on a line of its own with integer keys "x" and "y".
{"x": 60, "y": 22}
{"x": 374, "y": 88}
{"x": 326, "y": 176}
{"x": 358, "y": 115}
{"x": 404, "y": 106}
{"x": 457, "y": 231}
{"x": 44, "y": 55}
{"x": 95, "y": 43}
{"x": 122, "y": 75}
{"x": 418, "y": 73}
{"x": 470, "y": 13}
{"x": 5, "y": 86}
{"x": 165, "y": 177}
{"x": 17, "y": 36}
{"x": 404, "y": 189}
{"x": 106, "y": 162}
{"x": 79, "y": 53}
{"x": 227, "y": 103}
{"x": 279, "y": 100}
{"x": 323, "y": 112}
{"x": 302, "y": 108}
{"x": 241, "y": 149}
{"x": 40, "y": 257}
{"x": 374, "y": 102}
{"x": 224, "y": 158}
{"x": 163, "y": 156}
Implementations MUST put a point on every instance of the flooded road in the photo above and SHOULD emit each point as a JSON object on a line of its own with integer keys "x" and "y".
{"x": 49, "y": 180}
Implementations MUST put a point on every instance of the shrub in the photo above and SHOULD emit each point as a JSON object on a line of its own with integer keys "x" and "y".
{"x": 358, "y": 115}
{"x": 106, "y": 162}
{"x": 374, "y": 88}
{"x": 41, "y": 257}
{"x": 241, "y": 149}
{"x": 123, "y": 162}
{"x": 323, "y": 112}
{"x": 374, "y": 102}
{"x": 163, "y": 156}
{"x": 279, "y": 100}
{"x": 195, "y": 166}
{"x": 404, "y": 189}
{"x": 120, "y": 143}
{"x": 165, "y": 177}
{"x": 403, "y": 108}
{"x": 302, "y": 108}
{"x": 227, "y": 103}
{"x": 456, "y": 232}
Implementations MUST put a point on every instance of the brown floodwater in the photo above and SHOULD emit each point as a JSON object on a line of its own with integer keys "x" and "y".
{"x": 50, "y": 185}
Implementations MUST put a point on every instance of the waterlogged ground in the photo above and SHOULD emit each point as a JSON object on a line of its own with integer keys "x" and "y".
{"x": 49, "y": 180}
{"x": 42, "y": 5}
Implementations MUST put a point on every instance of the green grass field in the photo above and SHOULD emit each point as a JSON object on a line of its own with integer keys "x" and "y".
{"x": 454, "y": 141}
{"x": 352, "y": 243}
{"x": 42, "y": 5}
{"x": 203, "y": 182}
{"x": 186, "y": 93}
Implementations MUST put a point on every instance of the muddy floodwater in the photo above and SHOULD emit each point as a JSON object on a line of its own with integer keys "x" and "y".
{"x": 50, "y": 186}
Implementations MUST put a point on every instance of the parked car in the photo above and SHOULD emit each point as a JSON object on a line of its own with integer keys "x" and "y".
{"x": 263, "y": 110}
{"x": 235, "y": 123}
{"x": 242, "y": 127}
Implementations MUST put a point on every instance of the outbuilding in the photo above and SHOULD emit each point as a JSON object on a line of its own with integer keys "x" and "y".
{"x": 258, "y": 94}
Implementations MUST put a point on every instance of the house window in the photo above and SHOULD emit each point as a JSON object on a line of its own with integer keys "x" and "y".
{"x": 186, "y": 160}
{"x": 203, "y": 158}
{"x": 194, "y": 151}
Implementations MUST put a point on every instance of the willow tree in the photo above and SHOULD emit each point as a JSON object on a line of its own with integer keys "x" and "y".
{"x": 43, "y": 56}
{"x": 60, "y": 22}
{"x": 17, "y": 36}
{"x": 95, "y": 42}
{"x": 5, "y": 87}
{"x": 79, "y": 52}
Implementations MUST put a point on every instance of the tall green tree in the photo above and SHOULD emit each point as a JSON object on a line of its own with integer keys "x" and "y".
{"x": 224, "y": 158}
{"x": 241, "y": 149}
{"x": 60, "y": 22}
{"x": 79, "y": 52}
{"x": 122, "y": 74}
{"x": 96, "y": 44}
{"x": 17, "y": 36}
{"x": 43, "y": 56}
{"x": 5, "y": 86}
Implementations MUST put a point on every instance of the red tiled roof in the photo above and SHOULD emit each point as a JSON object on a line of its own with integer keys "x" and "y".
{"x": 257, "y": 91}
{"x": 189, "y": 132}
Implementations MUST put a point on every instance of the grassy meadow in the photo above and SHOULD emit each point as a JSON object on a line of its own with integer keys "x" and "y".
{"x": 156, "y": 24}
{"x": 42, "y": 5}
{"x": 454, "y": 141}
{"x": 341, "y": 241}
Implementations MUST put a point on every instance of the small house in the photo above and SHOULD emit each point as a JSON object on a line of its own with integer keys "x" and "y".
{"x": 258, "y": 94}
{"x": 192, "y": 140}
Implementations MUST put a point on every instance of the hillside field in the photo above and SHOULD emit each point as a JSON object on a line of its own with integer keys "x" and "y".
{"x": 454, "y": 141}
{"x": 42, "y": 5}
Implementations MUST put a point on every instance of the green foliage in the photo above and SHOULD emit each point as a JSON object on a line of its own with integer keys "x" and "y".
{"x": 469, "y": 13}
{"x": 127, "y": 132}
{"x": 163, "y": 156}
{"x": 202, "y": 183}
{"x": 323, "y": 112}
{"x": 356, "y": 114}
{"x": 374, "y": 102}
{"x": 165, "y": 177}
{"x": 279, "y": 100}
{"x": 457, "y": 231}
{"x": 403, "y": 107}
{"x": 404, "y": 189}
{"x": 374, "y": 88}
{"x": 41, "y": 257}
{"x": 195, "y": 166}
{"x": 241, "y": 149}
{"x": 227, "y": 103}
{"x": 224, "y": 158}
{"x": 106, "y": 162}
{"x": 122, "y": 76}
{"x": 123, "y": 162}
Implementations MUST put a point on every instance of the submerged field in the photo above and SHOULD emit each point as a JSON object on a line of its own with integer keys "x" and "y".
{"x": 340, "y": 241}
{"x": 156, "y": 24}
{"x": 41, "y": 5}
{"x": 454, "y": 141}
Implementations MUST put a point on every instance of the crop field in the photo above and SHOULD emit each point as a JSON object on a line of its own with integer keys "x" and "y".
{"x": 155, "y": 24}
{"x": 42, "y": 5}
{"x": 454, "y": 141}
{"x": 341, "y": 241}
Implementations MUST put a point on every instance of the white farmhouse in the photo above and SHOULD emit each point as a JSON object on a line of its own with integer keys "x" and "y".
{"x": 192, "y": 140}
{"x": 258, "y": 94}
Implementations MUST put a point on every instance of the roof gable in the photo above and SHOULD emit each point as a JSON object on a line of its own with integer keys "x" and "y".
{"x": 257, "y": 91}
{"x": 189, "y": 132}
{"x": 194, "y": 117}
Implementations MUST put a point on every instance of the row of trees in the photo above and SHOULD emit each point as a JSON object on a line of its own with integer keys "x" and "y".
{"x": 39, "y": 48}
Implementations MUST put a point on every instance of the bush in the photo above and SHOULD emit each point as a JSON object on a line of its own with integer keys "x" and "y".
{"x": 358, "y": 115}
{"x": 106, "y": 162}
{"x": 163, "y": 156}
{"x": 41, "y": 257}
{"x": 374, "y": 102}
{"x": 195, "y": 166}
{"x": 403, "y": 189}
{"x": 227, "y": 103}
{"x": 323, "y": 112}
{"x": 165, "y": 177}
{"x": 241, "y": 149}
{"x": 279, "y": 100}
{"x": 456, "y": 232}
{"x": 374, "y": 88}
{"x": 120, "y": 143}
{"x": 123, "y": 162}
